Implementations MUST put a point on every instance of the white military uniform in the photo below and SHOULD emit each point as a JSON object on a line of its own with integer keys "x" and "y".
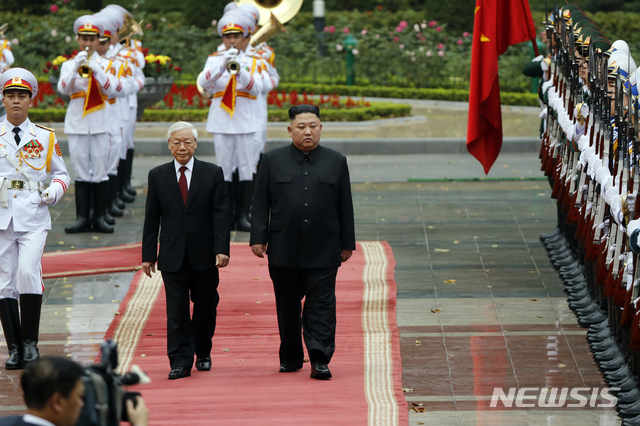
{"x": 6, "y": 55}
{"x": 6, "y": 59}
{"x": 24, "y": 218}
{"x": 271, "y": 80}
{"x": 233, "y": 135}
{"x": 135, "y": 61}
{"x": 118, "y": 106}
{"x": 88, "y": 135}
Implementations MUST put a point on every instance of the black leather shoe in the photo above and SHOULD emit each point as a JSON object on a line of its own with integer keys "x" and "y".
{"x": 286, "y": 369}
{"x": 203, "y": 364}
{"x": 320, "y": 371}
{"x": 179, "y": 373}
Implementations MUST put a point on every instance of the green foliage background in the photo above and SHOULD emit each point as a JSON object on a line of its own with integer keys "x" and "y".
{"x": 386, "y": 57}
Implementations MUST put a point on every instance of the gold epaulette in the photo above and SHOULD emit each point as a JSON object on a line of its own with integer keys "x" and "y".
{"x": 42, "y": 127}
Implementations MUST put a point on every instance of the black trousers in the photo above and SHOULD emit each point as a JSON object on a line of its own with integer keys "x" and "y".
{"x": 187, "y": 335}
{"x": 316, "y": 321}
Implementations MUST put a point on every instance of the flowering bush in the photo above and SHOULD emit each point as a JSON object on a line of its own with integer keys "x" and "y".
{"x": 158, "y": 65}
{"x": 53, "y": 67}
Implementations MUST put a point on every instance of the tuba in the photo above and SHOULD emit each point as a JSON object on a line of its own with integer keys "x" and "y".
{"x": 130, "y": 28}
{"x": 273, "y": 14}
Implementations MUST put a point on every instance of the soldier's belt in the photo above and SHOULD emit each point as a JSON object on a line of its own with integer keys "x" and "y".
{"x": 241, "y": 94}
{"x": 20, "y": 184}
{"x": 6, "y": 184}
{"x": 78, "y": 95}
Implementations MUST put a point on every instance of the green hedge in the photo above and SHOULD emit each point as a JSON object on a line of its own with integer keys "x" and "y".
{"x": 376, "y": 110}
{"x": 455, "y": 95}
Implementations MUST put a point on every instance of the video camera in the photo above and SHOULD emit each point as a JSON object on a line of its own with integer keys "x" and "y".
{"x": 105, "y": 399}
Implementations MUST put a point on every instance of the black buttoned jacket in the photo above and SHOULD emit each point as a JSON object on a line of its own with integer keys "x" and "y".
{"x": 302, "y": 208}
{"x": 199, "y": 230}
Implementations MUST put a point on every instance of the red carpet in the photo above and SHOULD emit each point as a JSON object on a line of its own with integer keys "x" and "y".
{"x": 244, "y": 386}
{"x": 91, "y": 261}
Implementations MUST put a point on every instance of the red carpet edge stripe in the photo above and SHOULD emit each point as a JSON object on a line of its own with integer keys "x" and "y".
{"x": 378, "y": 339}
{"x": 129, "y": 329}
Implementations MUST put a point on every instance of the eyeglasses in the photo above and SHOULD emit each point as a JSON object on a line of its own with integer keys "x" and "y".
{"x": 187, "y": 144}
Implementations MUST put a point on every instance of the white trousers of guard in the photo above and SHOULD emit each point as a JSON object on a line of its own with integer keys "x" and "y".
{"x": 260, "y": 144}
{"x": 128, "y": 132}
{"x": 235, "y": 150}
{"x": 21, "y": 265}
{"x": 89, "y": 155}
{"x": 115, "y": 146}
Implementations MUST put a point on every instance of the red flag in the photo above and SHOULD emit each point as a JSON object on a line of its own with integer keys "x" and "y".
{"x": 93, "y": 100}
{"x": 498, "y": 24}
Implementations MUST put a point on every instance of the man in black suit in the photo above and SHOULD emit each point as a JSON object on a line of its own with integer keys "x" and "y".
{"x": 187, "y": 202}
{"x": 54, "y": 394}
{"x": 302, "y": 218}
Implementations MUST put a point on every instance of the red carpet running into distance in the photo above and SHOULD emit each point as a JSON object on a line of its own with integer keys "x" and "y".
{"x": 244, "y": 385}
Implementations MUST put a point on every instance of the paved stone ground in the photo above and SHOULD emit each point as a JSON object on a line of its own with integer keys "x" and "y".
{"x": 479, "y": 306}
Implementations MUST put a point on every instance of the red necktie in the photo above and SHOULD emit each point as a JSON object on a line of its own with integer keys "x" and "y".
{"x": 182, "y": 183}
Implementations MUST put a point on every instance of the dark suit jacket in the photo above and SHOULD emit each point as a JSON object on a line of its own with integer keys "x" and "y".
{"x": 13, "y": 421}
{"x": 302, "y": 208}
{"x": 199, "y": 230}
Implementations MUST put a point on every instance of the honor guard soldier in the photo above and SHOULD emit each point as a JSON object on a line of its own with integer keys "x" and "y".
{"x": 6, "y": 59}
{"x": 232, "y": 76}
{"x": 271, "y": 80}
{"x": 6, "y": 55}
{"x": 129, "y": 50}
{"x": 117, "y": 107}
{"x": 28, "y": 153}
{"x": 87, "y": 125}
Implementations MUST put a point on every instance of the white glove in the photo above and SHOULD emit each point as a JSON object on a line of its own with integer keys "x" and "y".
{"x": 543, "y": 114}
{"x": 80, "y": 58}
{"x": 584, "y": 109}
{"x": 95, "y": 67}
{"x": 537, "y": 58}
{"x": 632, "y": 226}
{"x": 631, "y": 204}
{"x": 49, "y": 196}
{"x": 229, "y": 54}
{"x": 544, "y": 65}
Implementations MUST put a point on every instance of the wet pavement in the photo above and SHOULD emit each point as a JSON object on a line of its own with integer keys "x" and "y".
{"x": 479, "y": 306}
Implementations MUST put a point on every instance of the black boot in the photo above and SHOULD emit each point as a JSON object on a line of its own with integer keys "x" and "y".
{"x": 114, "y": 210}
{"x": 122, "y": 195}
{"x": 30, "y": 308}
{"x": 100, "y": 207}
{"x": 244, "y": 205}
{"x": 230, "y": 192}
{"x": 127, "y": 185}
{"x": 83, "y": 224}
{"x": 10, "y": 318}
{"x": 107, "y": 202}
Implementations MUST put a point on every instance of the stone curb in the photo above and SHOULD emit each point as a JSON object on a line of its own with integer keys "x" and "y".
{"x": 158, "y": 146}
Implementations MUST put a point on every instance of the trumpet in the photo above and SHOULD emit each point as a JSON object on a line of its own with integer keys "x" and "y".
{"x": 233, "y": 66}
{"x": 84, "y": 70}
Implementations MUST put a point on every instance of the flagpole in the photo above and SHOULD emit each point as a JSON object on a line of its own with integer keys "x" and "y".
{"x": 534, "y": 42}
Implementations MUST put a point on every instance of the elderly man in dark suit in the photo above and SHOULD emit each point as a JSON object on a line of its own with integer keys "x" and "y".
{"x": 187, "y": 205}
{"x": 303, "y": 220}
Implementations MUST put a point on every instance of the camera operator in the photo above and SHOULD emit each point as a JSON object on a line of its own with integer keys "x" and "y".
{"x": 54, "y": 392}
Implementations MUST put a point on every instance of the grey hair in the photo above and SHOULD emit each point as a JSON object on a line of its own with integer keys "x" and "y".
{"x": 181, "y": 125}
